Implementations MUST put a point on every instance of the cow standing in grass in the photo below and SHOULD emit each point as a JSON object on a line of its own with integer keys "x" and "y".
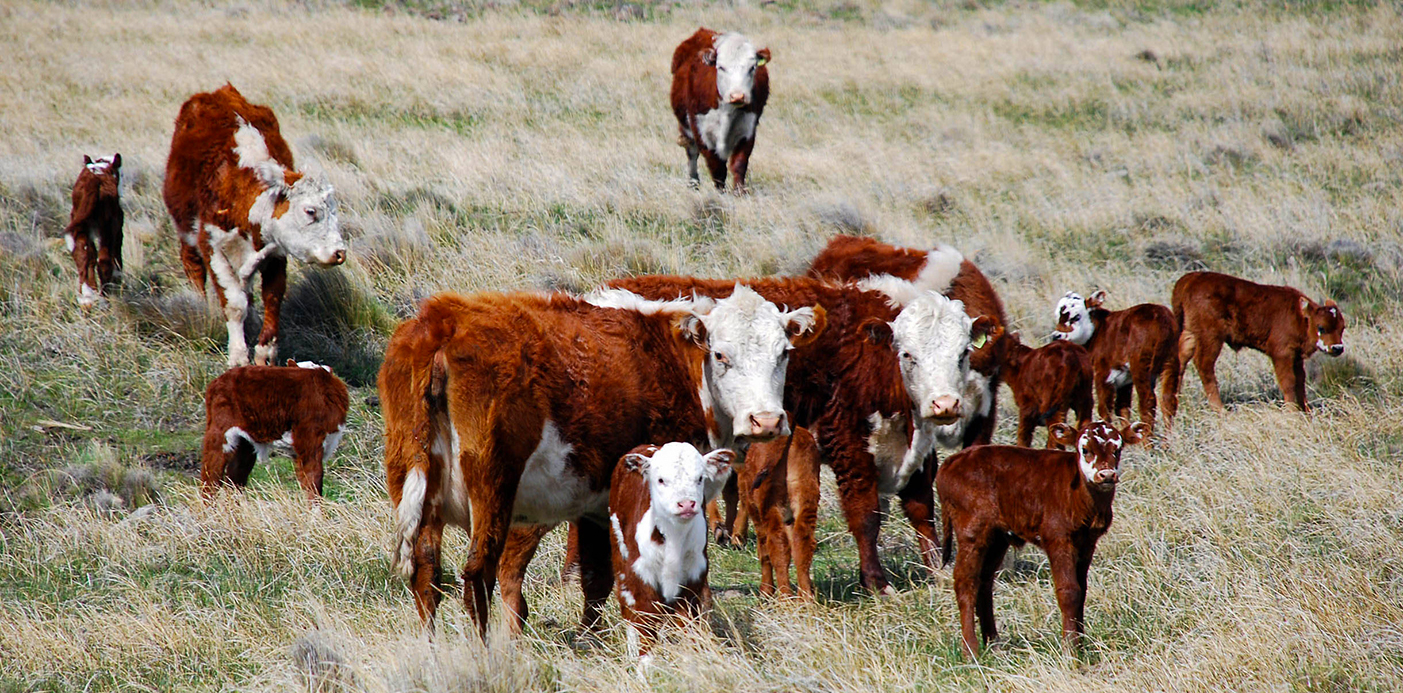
{"x": 719, "y": 89}
{"x": 241, "y": 207}
{"x": 94, "y": 233}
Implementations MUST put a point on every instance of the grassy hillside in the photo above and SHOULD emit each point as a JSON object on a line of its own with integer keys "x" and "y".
{"x": 504, "y": 145}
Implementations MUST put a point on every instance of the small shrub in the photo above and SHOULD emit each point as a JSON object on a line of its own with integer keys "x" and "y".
{"x": 96, "y": 477}
{"x": 330, "y": 317}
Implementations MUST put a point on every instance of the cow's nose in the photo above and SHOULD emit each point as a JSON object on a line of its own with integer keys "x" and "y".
{"x": 1106, "y": 476}
{"x": 687, "y": 508}
{"x": 1337, "y": 349}
{"x": 738, "y": 98}
{"x": 338, "y": 257}
{"x": 945, "y": 407}
{"x": 767, "y": 424}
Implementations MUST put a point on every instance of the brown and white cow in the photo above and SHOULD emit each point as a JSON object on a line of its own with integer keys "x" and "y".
{"x": 1129, "y": 348}
{"x": 942, "y": 269}
{"x": 1046, "y": 382}
{"x": 658, "y": 537}
{"x": 719, "y": 89}
{"x": 509, "y": 410}
{"x": 248, "y": 409}
{"x": 1216, "y": 309}
{"x": 94, "y": 232}
{"x": 996, "y": 496}
{"x": 779, "y": 489}
{"x": 240, "y": 207}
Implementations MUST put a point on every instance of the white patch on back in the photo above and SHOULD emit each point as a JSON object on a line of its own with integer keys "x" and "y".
{"x": 69, "y": 242}
{"x": 619, "y": 538}
{"x": 252, "y": 151}
{"x": 313, "y": 364}
{"x": 942, "y": 265}
{"x": 549, "y": 491}
{"x": 899, "y": 292}
{"x": 627, "y": 300}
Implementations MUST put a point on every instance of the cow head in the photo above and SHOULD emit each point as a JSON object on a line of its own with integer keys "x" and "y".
{"x": 1074, "y": 317}
{"x": 104, "y": 165}
{"x": 303, "y": 221}
{"x": 679, "y": 478}
{"x": 748, "y": 341}
{"x": 933, "y": 339}
{"x": 1326, "y": 325}
{"x": 736, "y": 62}
{"x": 1098, "y": 446}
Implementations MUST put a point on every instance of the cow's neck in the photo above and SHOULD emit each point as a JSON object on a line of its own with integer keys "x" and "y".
{"x": 1091, "y": 502}
{"x": 1097, "y": 316}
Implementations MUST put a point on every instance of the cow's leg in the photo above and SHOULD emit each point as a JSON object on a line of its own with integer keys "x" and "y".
{"x": 693, "y": 152}
{"x": 1291, "y": 378}
{"x": 1083, "y": 575}
{"x": 570, "y": 567}
{"x": 1205, "y": 356}
{"x": 84, "y": 259}
{"x": 192, "y": 260}
{"x": 762, "y": 551}
{"x": 234, "y": 302}
{"x": 427, "y": 576}
{"x": 969, "y": 566}
{"x": 1105, "y": 395}
{"x": 1082, "y": 404}
{"x": 980, "y": 430}
{"x": 918, "y": 502}
{"x": 522, "y": 542}
{"x": 596, "y": 571}
{"x": 1146, "y": 402}
{"x": 780, "y": 554}
{"x": 803, "y": 499}
{"x": 739, "y": 164}
{"x": 1123, "y": 401}
{"x": 490, "y": 494}
{"x": 1169, "y": 387}
{"x": 740, "y": 523}
{"x": 1027, "y": 423}
{"x": 857, "y": 491}
{"x": 1071, "y": 593}
{"x": 717, "y": 166}
{"x": 114, "y": 241}
{"x": 214, "y": 459}
{"x": 307, "y": 446}
{"x": 274, "y": 273}
{"x": 984, "y": 601}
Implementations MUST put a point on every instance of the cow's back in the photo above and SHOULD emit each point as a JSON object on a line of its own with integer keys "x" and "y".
{"x": 848, "y": 258}
{"x": 204, "y": 140}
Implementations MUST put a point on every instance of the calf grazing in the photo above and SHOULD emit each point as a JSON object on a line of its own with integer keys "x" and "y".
{"x": 1215, "y": 309}
{"x": 779, "y": 487}
{"x": 248, "y": 409}
{"x": 1046, "y": 382}
{"x": 94, "y": 232}
{"x": 996, "y": 496}
{"x": 719, "y": 89}
{"x": 1131, "y": 347}
{"x": 944, "y": 270}
{"x": 240, "y": 207}
{"x": 658, "y": 542}
{"x": 511, "y": 410}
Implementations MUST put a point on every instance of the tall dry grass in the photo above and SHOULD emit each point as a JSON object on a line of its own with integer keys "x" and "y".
{"x": 1062, "y": 146}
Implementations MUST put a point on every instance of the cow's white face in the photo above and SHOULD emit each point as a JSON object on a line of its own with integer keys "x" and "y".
{"x": 748, "y": 340}
{"x": 309, "y": 230}
{"x": 736, "y": 61}
{"x": 678, "y": 477}
{"x": 1073, "y": 319}
{"x": 932, "y": 337}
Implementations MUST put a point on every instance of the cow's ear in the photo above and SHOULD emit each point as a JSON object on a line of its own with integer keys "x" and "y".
{"x": 718, "y": 463}
{"x": 984, "y": 330}
{"x": 1305, "y": 307}
{"x": 1330, "y": 303}
{"x": 116, "y": 161}
{"x": 1096, "y": 298}
{"x": 1136, "y": 432}
{"x": 876, "y": 330}
{"x": 87, "y": 160}
{"x": 805, "y": 325}
{"x": 762, "y": 56}
{"x": 291, "y": 363}
{"x": 1062, "y": 434}
{"x": 708, "y": 57}
{"x": 639, "y": 461}
{"x": 693, "y": 329}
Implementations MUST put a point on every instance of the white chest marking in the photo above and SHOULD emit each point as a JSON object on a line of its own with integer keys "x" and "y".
{"x": 550, "y": 492}
{"x": 980, "y": 401}
{"x": 897, "y": 450}
{"x": 723, "y": 128}
{"x": 679, "y": 560}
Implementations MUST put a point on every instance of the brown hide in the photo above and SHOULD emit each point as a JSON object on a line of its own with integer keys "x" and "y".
{"x": 266, "y": 402}
{"x": 1046, "y": 382}
{"x": 94, "y": 228}
{"x": 779, "y": 486}
{"x": 1216, "y": 309}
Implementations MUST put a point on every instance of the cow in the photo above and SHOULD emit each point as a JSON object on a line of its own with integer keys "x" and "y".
{"x": 249, "y": 408}
{"x": 94, "y": 232}
{"x": 1215, "y": 309}
{"x": 1046, "y": 382}
{"x": 945, "y": 270}
{"x": 779, "y": 488}
{"x": 511, "y": 410}
{"x": 1129, "y": 348}
{"x": 719, "y": 88}
{"x": 240, "y": 206}
{"x": 658, "y": 535}
{"x": 996, "y": 496}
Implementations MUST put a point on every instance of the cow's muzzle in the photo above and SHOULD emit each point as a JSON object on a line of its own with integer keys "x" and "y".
{"x": 766, "y": 425}
{"x": 1336, "y": 349}
{"x": 737, "y": 98}
{"x": 942, "y": 410}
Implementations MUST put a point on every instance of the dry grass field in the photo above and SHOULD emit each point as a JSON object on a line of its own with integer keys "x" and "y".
{"x": 1106, "y": 143}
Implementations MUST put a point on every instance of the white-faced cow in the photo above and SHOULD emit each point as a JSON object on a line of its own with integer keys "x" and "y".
{"x": 719, "y": 89}
{"x": 94, "y": 232}
{"x": 240, "y": 207}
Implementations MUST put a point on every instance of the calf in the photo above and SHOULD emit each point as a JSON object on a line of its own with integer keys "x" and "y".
{"x": 94, "y": 232}
{"x": 1215, "y": 309}
{"x": 248, "y": 409}
{"x": 658, "y": 542}
{"x": 1046, "y": 382}
{"x": 1129, "y": 348}
{"x": 719, "y": 88}
{"x": 941, "y": 269}
{"x": 996, "y": 496}
{"x": 779, "y": 488}
{"x": 240, "y": 207}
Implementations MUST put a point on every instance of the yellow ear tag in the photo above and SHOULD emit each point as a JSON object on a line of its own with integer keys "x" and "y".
{"x": 761, "y": 62}
{"x": 980, "y": 341}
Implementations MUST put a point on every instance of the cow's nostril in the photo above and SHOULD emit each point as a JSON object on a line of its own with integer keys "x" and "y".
{"x": 338, "y": 257}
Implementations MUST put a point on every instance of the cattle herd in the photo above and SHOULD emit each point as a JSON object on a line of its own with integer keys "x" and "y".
{"x": 624, "y": 412}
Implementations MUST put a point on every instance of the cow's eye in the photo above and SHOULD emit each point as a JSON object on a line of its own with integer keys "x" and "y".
{"x": 721, "y": 358}
{"x": 720, "y": 68}
{"x": 699, "y": 480}
{"x": 906, "y": 356}
{"x": 662, "y": 482}
{"x": 1320, "y": 330}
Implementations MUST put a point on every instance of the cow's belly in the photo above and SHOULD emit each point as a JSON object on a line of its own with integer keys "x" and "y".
{"x": 550, "y": 491}
{"x": 897, "y": 451}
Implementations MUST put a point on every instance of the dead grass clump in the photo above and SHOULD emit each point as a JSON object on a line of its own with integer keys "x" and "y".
{"x": 384, "y": 245}
{"x": 180, "y": 316}
{"x": 599, "y": 261}
{"x": 329, "y": 148}
{"x": 321, "y": 668}
{"x": 1178, "y": 255}
{"x": 331, "y": 317}
{"x": 844, "y": 216}
{"x": 96, "y": 477}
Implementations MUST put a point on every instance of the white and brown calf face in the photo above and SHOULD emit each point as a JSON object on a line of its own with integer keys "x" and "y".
{"x": 1073, "y": 319}
{"x": 736, "y": 61}
{"x": 678, "y": 477}
{"x": 748, "y": 342}
{"x": 1327, "y": 328}
{"x": 933, "y": 339}
{"x": 105, "y": 165}
{"x": 308, "y": 229}
{"x": 1099, "y": 446}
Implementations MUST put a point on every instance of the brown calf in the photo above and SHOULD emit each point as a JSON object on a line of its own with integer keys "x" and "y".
{"x": 1131, "y": 347}
{"x": 1046, "y": 382}
{"x": 658, "y": 542}
{"x": 779, "y": 488}
{"x": 996, "y": 496}
{"x": 94, "y": 232}
{"x": 719, "y": 89}
{"x": 1216, "y": 309}
{"x": 248, "y": 409}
